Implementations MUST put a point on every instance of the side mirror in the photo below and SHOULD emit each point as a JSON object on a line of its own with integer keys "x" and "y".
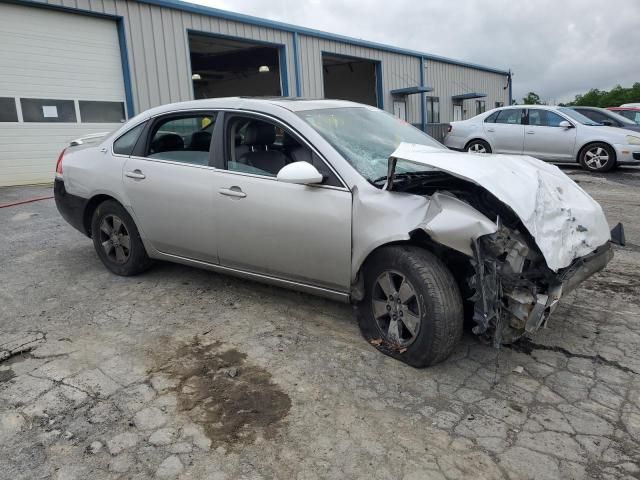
{"x": 302, "y": 173}
{"x": 565, "y": 124}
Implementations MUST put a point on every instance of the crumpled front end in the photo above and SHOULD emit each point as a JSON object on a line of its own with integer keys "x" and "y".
{"x": 514, "y": 290}
{"x": 518, "y": 233}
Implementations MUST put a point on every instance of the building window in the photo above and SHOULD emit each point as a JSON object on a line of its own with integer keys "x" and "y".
{"x": 8, "y": 111}
{"x": 433, "y": 110}
{"x": 101, "y": 112}
{"x": 44, "y": 110}
{"x": 499, "y": 104}
{"x": 481, "y": 107}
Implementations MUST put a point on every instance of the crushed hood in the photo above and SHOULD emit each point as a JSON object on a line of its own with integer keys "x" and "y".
{"x": 564, "y": 220}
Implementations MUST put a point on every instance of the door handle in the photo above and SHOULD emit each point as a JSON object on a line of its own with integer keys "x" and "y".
{"x": 232, "y": 192}
{"x": 491, "y": 129}
{"x": 137, "y": 174}
{"x": 530, "y": 133}
{"x": 103, "y": 149}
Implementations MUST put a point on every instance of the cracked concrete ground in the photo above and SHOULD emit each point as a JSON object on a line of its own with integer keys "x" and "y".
{"x": 185, "y": 373}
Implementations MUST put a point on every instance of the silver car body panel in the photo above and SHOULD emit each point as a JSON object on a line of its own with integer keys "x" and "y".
{"x": 318, "y": 237}
{"x": 564, "y": 220}
{"x": 555, "y": 144}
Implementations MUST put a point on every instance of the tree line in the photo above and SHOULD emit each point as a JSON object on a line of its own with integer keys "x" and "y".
{"x": 595, "y": 97}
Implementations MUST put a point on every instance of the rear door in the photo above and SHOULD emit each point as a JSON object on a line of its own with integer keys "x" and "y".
{"x": 506, "y": 133}
{"x": 169, "y": 184}
{"x": 546, "y": 139}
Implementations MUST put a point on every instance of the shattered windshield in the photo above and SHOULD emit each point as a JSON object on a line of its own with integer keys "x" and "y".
{"x": 366, "y": 136}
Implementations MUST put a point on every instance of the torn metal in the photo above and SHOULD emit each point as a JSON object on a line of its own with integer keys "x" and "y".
{"x": 526, "y": 233}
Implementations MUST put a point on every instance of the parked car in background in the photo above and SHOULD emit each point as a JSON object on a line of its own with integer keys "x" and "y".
{"x": 634, "y": 105}
{"x": 632, "y": 113}
{"x": 607, "y": 118}
{"x": 555, "y": 134}
{"x": 342, "y": 200}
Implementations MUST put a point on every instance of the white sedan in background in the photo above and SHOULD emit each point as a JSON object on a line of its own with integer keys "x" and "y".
{"x": 555, "y": 134}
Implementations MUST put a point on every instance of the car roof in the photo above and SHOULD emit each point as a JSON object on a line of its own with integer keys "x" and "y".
{"x": 293, "y": 104}
{"x": 624, "y": 108}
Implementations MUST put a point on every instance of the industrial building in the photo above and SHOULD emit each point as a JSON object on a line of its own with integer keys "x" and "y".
{"x": 74, "y": 67}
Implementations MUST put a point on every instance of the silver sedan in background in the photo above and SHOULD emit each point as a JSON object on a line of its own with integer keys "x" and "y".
{"x": 554, "y": 134}
{"x": 342, "y": 200}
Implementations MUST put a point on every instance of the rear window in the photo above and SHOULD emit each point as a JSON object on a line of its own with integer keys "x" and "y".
{"x": 492, "y": 118}
{"x": 127, "y": 142}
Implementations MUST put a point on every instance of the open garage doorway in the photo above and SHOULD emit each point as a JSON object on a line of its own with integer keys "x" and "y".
{"x": 223, "y": 67}
{"x": 348, "y": 78}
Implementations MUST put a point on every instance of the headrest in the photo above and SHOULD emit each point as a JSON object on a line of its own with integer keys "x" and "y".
{"x": 260, "y": 133}
{"x": 168, "y": 142}
{"x": 200, "y": 141}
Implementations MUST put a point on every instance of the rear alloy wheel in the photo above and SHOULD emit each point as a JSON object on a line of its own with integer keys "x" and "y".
{"x": 412, "y": 308}
{"x": 117, "y": 241}
{"x": 478, "y": 146}
{"x": 598, "y": 157}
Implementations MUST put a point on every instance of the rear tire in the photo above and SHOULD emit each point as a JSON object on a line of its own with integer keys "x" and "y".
{"x": 598, "y": 157}
{"x": 424, "y": 329}
{"x": 478, "y": 146}
{"x": 117, "y": 240}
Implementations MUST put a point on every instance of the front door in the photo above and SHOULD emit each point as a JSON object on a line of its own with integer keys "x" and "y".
{"x": 545, "y": 139}
{"x": 506, "y": 133}
{"x": 170, "y": 187}
{"x": 294, "y": 232}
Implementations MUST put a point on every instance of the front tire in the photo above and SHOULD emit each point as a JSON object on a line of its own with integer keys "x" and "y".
{"x": 478, "y": 146}
{"x": 412, "y": 309}
{"x": 117, "y": 240}
{"x": 598, "y": 157}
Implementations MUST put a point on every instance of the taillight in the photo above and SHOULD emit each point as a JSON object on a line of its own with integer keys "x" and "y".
{"x": 449, "y": 129}
{"x": 59, "y": 163}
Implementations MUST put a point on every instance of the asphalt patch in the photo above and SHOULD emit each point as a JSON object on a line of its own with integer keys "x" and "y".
{"x": 231, "y": 399}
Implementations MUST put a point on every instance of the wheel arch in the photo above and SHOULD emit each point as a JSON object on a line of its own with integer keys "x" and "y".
{"x": 92, "y": 204}
{"x": 478, "y": 138}
{"x": 457, "y": 262}
{"x": 593, "y": 142}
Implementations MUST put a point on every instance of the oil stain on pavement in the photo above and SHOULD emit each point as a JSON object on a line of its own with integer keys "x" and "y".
{"x": 232, "y": 400}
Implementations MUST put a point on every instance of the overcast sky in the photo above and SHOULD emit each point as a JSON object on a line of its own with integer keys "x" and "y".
{"x": 556, "y": 48}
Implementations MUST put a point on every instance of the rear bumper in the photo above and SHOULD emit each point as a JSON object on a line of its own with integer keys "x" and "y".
{"x": 71, "y": 207}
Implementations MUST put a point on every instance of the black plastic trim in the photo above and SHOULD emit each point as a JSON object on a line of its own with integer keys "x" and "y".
{"x": 71, "y": 207}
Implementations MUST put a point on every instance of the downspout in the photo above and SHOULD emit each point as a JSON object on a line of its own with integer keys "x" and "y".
{"x": 423, "y": 109}
{"x": 296, "y": 63}
{"x": 510, "y": 86}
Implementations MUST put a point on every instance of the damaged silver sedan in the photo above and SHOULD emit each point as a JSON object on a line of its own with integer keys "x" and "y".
{"x": 341, "y": 200}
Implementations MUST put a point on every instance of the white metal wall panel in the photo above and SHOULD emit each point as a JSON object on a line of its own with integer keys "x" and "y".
{"x": 158, "y": 48}
{"x": 50, "y": 54}
{"x": 398, "y": 71}
{"x": 448, "y": 80}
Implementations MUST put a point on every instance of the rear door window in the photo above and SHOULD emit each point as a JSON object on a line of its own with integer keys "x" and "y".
{"x": 184, "y": 139}
{"x": 492, "y": 118}
{"x": 511, "y": 116}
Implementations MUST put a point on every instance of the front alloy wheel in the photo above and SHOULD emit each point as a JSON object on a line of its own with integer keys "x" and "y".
{"x": 412, "y": 308}
{"x": 598, "y": 157}
{"x": 396, "y": 309}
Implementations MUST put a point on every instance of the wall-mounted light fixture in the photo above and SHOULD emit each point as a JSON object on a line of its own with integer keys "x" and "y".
{"x": 196, "y": 76}
{"x": 263, "y": 69}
